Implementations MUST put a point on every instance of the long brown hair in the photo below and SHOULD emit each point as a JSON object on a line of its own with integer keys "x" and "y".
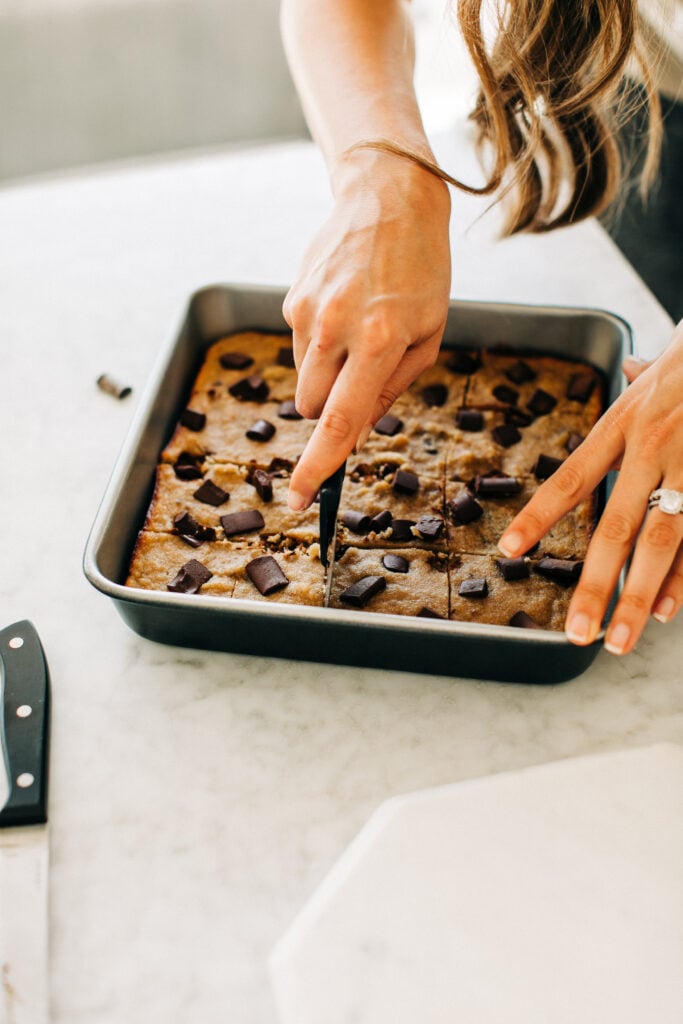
{"x": 552, "y": 98}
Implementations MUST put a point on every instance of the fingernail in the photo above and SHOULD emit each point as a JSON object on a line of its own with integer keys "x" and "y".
{"x": 664, "y": 609}
{"x": 618, "y": 638}
{"x": 511, "y": 544}
{"x": 297, "y": 502}
{"x": 362, "y": 438}
{"x": 578, "y": 629}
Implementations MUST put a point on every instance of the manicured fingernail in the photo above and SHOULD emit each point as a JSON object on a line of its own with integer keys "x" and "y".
{"x": 578, "y": 629}
{"x": 297, "y": 502}
{"x": 618, "y": 638}
{"x": 664, "y": 609}
{"x": 511, "y": 544}
{"x": 362, "y": 438}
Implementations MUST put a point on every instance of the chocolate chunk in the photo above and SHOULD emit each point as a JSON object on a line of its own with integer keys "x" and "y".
{"x": 523, "y": 621}
{"x": 513, "y": 568}
{"x": 474, "y": 588}
{"x": 506, "y": 435}
{"x": 402, "y": 530}
{"x": 520, "y": 372}
{"x": 193, "y": 420}
{"x": 235, "y": 361}
{"x": 506, "y": 394}
{"x": 360, "y": 592}
{"x": 250, "y": 389}
{"x": 262, "y": 482}
{"x": 463, "y": 362}
{"x": 266, "y": 575}
{"x": 465, "y": 509}
{"x": 396, "y": 563}
{"x": 287, "y": 410}
{"x": 186, "y": 466}
{"x": 262, "y": 430}
{"x": 470, "y": 419}
{"x": 561, "y": 570}
{"x": 357, "y": 522}
{"x": 112, "y": 387}
{"x": 541, "y": 402}
{"x": 389, "y": 425}
{"x": 580, "y": 387}
{"x": 191, "y": 531}
{"x": 381, "y": 521}
{"x": 211, "y": 494}
{"x": 285, "y": 357}
{"x": 190, "y": 578}
{"x": 246, "y": 521}
{"x": 545, "y": 466}
{"x": 429, "y": 527}
{"x": 405, "y": 482}
{"x": 518, "y": 417}
{"x": 435, "y": 394}
{"x": 496, "y": 486}
{"x": 573, "y": 442}
{"x": 428, "y": 613}
{"x": 280, "y": 467}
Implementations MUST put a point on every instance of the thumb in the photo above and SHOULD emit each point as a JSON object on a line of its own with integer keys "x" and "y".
{"x": 633, "y": 367}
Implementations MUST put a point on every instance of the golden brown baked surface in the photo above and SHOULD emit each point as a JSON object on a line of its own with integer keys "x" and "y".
{"x": 423, "y": 505}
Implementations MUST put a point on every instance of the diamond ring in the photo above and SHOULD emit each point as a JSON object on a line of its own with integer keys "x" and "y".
{"x": 667, "y": 501}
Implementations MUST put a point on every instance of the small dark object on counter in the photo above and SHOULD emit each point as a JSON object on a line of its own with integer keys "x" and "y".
{"x": 402, "y": 529}
{"x": 524, "y": 621}
{"x": 382, "y": 521}
{"x": 506, "y": 435}
{"x": 513, "y": 568}
{"x": 541, "y": 403}
{"x": 395, "y": 563}
{"x": 266, "y": 575}
{"x": 504, "y": 393}
{"x": 191, "y": 577}
{"x": 471, "y": 420}
{"x": 186, "y": 466}
{"x": 573, "y": 442}
{"x": 287, "y": 410}
{"x": 360, "y": 592}
{"x": 250, "y": 389}
{"x": 112, "y": 386}
{"x": 235, "y": 360}
{"x": 520, "y": 372}
{"x": 580, "y": 387}
{"x": 285, "y": 357}
{"x": 405, "y": 482}
{"x": 435, "y": 394}
{"x": 429, "y": 527}
{"x": 561, "y": 570}
{"x": 465, "y": 509}
{"x": 388, "y": 424}
{"x": 247, "y": 521}
{"x": 262, "y": 430}
{"x": 496, "y": 486}
{"x": 545, "y": 466}
{"x": 262, "y": 482}
{"x": 193, "y": 420}
{"x": 477, "y": 587}
{"x": 211, "y": 494}
{"x": 357, "y": 522}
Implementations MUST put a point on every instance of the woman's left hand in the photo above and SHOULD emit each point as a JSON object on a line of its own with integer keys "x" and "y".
{"x": 642, "y": 434}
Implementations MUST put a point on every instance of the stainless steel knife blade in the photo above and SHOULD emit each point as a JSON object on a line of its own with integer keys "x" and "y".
{"x": 24, "y": 736}
{"x": 330, "y": 495}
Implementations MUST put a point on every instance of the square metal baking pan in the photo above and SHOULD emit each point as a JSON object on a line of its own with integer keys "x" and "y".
{"x": 339, "y": 636}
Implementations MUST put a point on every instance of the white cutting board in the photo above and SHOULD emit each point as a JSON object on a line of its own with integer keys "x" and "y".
{"x": 545, "y": 896}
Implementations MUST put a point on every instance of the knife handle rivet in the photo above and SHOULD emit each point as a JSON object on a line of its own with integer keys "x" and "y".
{"x": 25, "y": 780}
{"x": 16, "y": 642}
{"x": 24, "y": 710}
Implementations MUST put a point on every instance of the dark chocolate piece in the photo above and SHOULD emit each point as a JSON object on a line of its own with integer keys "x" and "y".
{"x": 561, "y": 570}
{"x": 193, "y": 420}
{"x": 428, "y": 613}
{"x": 545, "y": 466}
{"x": 262, "y": 431}
{"x": 357, "y": 522}
{"x": 262, "y": 482}
{"x": 506, "y": 435}
{"x": 190, "y": 578}
{"x": 435, "y": 394}
{"x": 112, "y": 387}
{"x": 287, "y": 410}
{"x": 463, "y": 362}
{"x": 520, "y": 372}
{"x": 211, "y": 494}
{"x": 360, "y": 592}
{"x": 388, "y": 424}
{"x": 186, "y": 466}
{"x": 285, "y": 357}
{"x": 191, "y": 531}
{"x": 496, "y": 486}
{"x": 541, "y": 403}
{"x": 573, "y": 442}
{"x": 474, "y": 588}
{"x": 405, "y": 482}
{"x": 396, "y": 563}
{"x": 518, "y": 417}
{"x": 513, "y": 568}
{"x": 402, "y": 530}
{"x": 266, "y": 575}
{"x": 504, "y": 393}
{"x": 235, "y": 360}
{"x": 429, "y": 527}
{"x": 280, "y": 467}
{"x": 523, "y": 621}
{"x": 580, "y": 387}
{"x": 381, "y": 521}
{"x": 250, "y": 389}
{"x": 470, "y": 419}
{"x": 465, "y": 509}
{"x": 246, "y": 521}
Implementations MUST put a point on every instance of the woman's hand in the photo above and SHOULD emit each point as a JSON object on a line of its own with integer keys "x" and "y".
{"x": 642, "y": 433}
{"x": 368, "y": 307}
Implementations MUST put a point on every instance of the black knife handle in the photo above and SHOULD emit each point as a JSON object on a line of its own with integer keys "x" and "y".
{"x": 24, "y": 725}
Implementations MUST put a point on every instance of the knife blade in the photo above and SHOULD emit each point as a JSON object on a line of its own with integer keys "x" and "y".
{"x": 330, "y": 495}
{"x": 24, "y": 738}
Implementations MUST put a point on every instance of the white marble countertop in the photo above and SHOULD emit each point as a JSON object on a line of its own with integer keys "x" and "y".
{"x": 198, "y": 798}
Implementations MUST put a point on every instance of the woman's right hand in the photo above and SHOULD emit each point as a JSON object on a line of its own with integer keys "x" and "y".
{"x": 369, "y": 304}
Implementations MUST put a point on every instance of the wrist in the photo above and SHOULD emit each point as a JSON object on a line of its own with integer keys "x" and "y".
{"x": 377, "y": 165}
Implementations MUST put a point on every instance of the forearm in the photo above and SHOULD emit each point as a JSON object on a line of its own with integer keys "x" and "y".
{"x": 353, "y": 62}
